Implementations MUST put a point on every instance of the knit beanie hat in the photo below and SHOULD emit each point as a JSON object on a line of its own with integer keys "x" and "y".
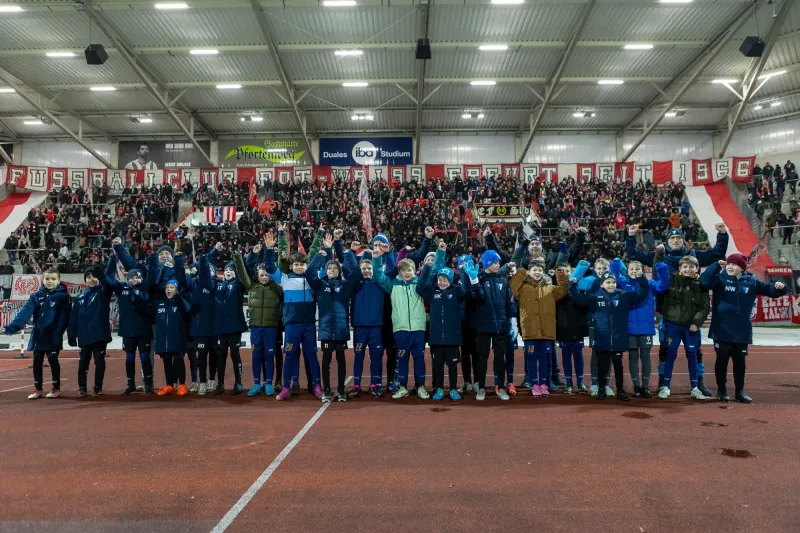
{"x": 489, "y": 258}
{"x": 446, "y": 272}
{"x": 133, "y": 272}
{"x": 230, "y": 266}
{"x": 173, "y": 283}
{"x": 430, "y": 254}
{"x": 675, "y": 232}
{"x": 738, "y": 259}
{"x": 95, "y": 271}
{"x": 381, "y": 238}
{"x": 166, "y": 248}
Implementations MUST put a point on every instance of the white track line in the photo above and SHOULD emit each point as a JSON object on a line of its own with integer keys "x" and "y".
{"x": 26, "y": 386}
{"x": 239, "y": 506}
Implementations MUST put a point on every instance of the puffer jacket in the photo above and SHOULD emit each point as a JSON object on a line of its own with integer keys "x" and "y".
{"x": 641, "y": 318}
{"x": 263, "y": 299}
{"x": 50, "y": 311}
{"x": 132, "y": 322}
{"x": 408, "y": 307}
{"x": 495, "y": 304}
{"x": 733, "y": 303}
{"x": 445, "y": 308}
{"x": 88, "y": 321}
{"x": 299, "y": 306}
{"x": 228, "y": 300}
{"x": 171, "y": 324}
{"x": 686, "y": 302}
{"x": 333, "y": 301}
{"x": 537, "y": 304}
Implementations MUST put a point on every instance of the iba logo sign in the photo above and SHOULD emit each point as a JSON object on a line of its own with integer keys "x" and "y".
{"x": 372, "y": 151}
{"x": 365, "y": 153}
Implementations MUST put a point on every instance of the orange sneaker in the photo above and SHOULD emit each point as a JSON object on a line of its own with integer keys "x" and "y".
{"x": 182, "y": 390}
{"x": 166, "y": 390}
{"x": 511, "y": 389}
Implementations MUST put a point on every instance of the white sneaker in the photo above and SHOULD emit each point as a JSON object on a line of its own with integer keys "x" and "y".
{"x": 503, "y": 395}
{"x": 610, "y": 392}
{"x": 55, "y": 393}
{"x": 212, "y": 384}
{"x": 422, "y": 393}
{"x": 202, "y": 390}
{"x": 697, "y": 394}
{"x": 663, "y": 394}
{"x": 593, "y": 390}
{"x": 402, "y": 392}
{"x": 36, "y": 394}
{"x": 480, "y": 395}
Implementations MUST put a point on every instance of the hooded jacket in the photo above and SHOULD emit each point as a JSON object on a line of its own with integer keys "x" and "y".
{"x": 299, "y": 306}
{"x": 366, "y": 305}
{"x": 132, "y": 322}
{"x": 333, "y": 300}
{"x": 537, "y": 304}
{"x": 445, "y": 308}
{"x": 51, "y": 313}
{"x": 263, "y": 299}
{"x": 673, "y": 257}
{"x": 686, "y": 302}
{"x": 495, "y": 304}
{"x": 228, "y": 299}
{"x": 89, "y": 319}
{"x": 171, "y": 324}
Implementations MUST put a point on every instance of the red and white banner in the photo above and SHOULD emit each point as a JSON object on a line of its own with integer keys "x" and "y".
{"x": 693, "y": 172}
{"x": 24, "y": 285}
{"x": 220, "y": 215}
{"x": 773, "y": 309}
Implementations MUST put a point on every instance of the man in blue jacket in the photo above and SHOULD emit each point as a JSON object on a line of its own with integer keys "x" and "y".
{"x": 89, "y": 327}
{"x": 135, "y": 327}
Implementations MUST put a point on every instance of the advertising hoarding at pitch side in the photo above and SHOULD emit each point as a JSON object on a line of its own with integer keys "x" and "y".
{"x": 370, "y": 151}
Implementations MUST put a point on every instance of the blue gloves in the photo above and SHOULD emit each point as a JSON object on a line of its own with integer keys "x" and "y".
{"x": 471, "y": 269}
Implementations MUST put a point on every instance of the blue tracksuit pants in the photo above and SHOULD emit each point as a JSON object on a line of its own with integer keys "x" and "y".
{"x": 537, "y": 354}
{"x": 674, "y": 334}
{"x": 572, "y": 352}
{"x": 372, "y": 338}
{"x": 263, "y": 341}
{"x": 410, "y": 343}
{"x": 295, "y": 336}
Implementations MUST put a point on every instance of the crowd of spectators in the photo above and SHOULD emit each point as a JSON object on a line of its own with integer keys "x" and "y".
{"x": 73, "y": 232}
{"x": 767, "y": 194}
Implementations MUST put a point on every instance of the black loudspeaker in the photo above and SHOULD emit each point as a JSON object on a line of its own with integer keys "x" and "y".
{"x": 423, "y": 49}
{"x": 95, "y": 54}
{"x": 752, "y": 46}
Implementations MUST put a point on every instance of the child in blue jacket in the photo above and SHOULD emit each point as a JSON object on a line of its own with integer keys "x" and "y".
{"x": 135, "y": 327}
{"x": 89, "y": 327}
{"x": 446, "y": 303}
{"x": 610, "y": 306}
{"x": 734, "y": 292}
{"x": 201, "y": 323}
{"x": 50, "y": 309}
{"x": 333, "y": 302}
{"x": 641, "y": 319}
{"x": 170, "y": 313}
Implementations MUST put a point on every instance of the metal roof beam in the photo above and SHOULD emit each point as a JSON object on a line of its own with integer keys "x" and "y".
{"x": 5, "y": 157}
{"x": 750, "y": 85}
{"x": 9, "y": 131}
{"x": 701, "y": 65}
{"x": 267, "y": 33}
{"x": 556, "y": 77}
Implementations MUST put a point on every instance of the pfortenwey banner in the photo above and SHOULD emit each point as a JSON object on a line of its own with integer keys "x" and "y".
{"x": 263, "y": 152}
{"x": 368, "y": 151}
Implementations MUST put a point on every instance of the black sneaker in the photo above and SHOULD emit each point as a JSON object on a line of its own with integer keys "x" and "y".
{"x": 623, "y": 396}
{"x": 722, "y": 394}
{"x": 741, "y": 397}
{"x": 646, "y": 392}
{"x": 220, "y": 389}
{"x": 582, "y": 388}
{"x": 702, "y": 386}
{"x": 82, "y": 393}
{"x": 295, "y": 389}
{"x": 128, "y": 391}
{"x": 637, "y": 392}
{"x": 601, "y": 394}
{"x": 237, "y": 389}
{"x": 97, "y": 392}
{"x": 148, "y": 388}
{"x": 326, "y": 396}
{"x": 341, "y": 396}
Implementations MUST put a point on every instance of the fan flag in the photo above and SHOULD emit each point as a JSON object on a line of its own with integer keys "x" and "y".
{"x": 366, "y": 214}
{"x": 220, "y": 215}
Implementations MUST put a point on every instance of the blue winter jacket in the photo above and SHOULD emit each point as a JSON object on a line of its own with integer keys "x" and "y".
{"x": 51, "y": 312}
{"x": 333, "y": 300}
{"x": 610, "y": 313}
{"x": 201, "y": 296}
{"x": 228, "y": 299}
{"x": 732, "y": 303}
{"x": 132, "y": 322}
{"x": 641, "y": 317}
{"x": 171, "y": 328}
{"x": 673, "y": 257}
{"x": 158, "y": 275}
{"x": 495, "y": 304}
{"x": 88, "y": 321}
{"x": 446, "y": 308}
{"x": 366, "y": 305}
{"x": 299, "y": 306}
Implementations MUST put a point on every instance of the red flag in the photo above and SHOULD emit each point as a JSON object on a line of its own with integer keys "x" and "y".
{"x": 253, "y": 194}
{"x": 662, "y": 172}
{"x": 300, "y": 248}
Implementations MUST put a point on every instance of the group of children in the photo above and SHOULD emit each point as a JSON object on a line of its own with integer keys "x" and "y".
{"x": 172, "y": 310}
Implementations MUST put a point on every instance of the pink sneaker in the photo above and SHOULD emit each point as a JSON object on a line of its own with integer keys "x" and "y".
{"x": 536, "y": 391}
{"x": 284, "y": 394}
{"x": 317, "y": 391}
{"x": 545, "y": 390}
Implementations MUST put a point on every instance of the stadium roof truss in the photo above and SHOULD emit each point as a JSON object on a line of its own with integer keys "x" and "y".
{"x": 613, "y": 66}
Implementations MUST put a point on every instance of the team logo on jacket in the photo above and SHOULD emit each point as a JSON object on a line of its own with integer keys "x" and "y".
{"x": 92, "y": 298}
{"x": 449, "y": 296}
{"x": 338, "y": 289}
{"x": 52, "y": 304}
{"x": 745, "y": 289}
{"x": 616, "y": 303}
{"x": 499, "y": 286}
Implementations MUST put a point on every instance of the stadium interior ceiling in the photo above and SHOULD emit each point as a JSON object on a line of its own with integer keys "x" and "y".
{"x": 237, "y": 68}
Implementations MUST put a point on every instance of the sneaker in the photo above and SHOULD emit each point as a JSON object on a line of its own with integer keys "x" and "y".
{"x": 663, "y": 394}
{"x": 466, "y": 388}
{"x": 148, "y": 389}
{"x": 511, "y": 389}
{"x": 341, "y": 396}
{"x": 402, "y": 392}
{"x": 295, "y": 389}
{"x": 503, "y": 395}
{"x": 166, "y": 390}
{"x": 601, "y": 395}
{"x": 255, "y": 390}
{"x": 722, "y": 394}
{"x": 182, "y": 390}
{"x": 422, "y": 393}
{"x": 568, "y": 389}
{"x": 646, "y": 392}
{"x": 269, "y": 390}
{"x": 317, "y": 390}
{"x": 97, "y": 392}
{"x": 220, "y": 389}
{"x": 593, "y": 390}
{"x": 623, "y": 396}
{"x": 140, "y": 387}
{"x": 545, "y": 391}
{"x": 212, "y": 384}
{"x": 701, "y": 384}
{"x": 438, "y": 395}
{"x": 284, "y": 394}
{"x": 526, "y": 383}
{"x": 54, "y": 393}
{"x": 609, "y": 392}
{"x": 480, "y": 395}
{"x": 552, "y": 385}
{"x": 326, "y": 396}
{"x": 128, "y": 391}
{"x": 637, "y": 392}
{"x": 194, "y": 388}
{"x": 557, "y": 381}
{"x": 202, "y": 390}
{"x": 355, "y": 392}
{"x": 454, "y": 395}
{"x": 82, "y": 393}
{"x": 393, "y": 387}
{"x": 697, "y": 394}
{"x": 376, "y": 391}
{"x": 582, "y": 388}
{"x": 741, "y": 397}
{"x": 536, "y": 390}
{"x": 36, "y": 394}
{"x": 237, "y": 389}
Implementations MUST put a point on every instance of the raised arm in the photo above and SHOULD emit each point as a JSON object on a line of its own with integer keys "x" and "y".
{"x": 111, "y": 274}
{"x": 517, "y": 281}
{"x": 576, "y": 247}
{"x": 770, "y": 289}
{"x": 576, "y": 296}
{"x": 128, "y": 262}
{"x": 312, "y": 272}
{"x": 561, "y": 289}
{"x": 709, "y": 279}
{"x": 718, "y": 252}
{"x": 204, "y": 273}
{"x": 632, "y": 249}
{"x": 242, "y": 272}
{"x": 377, "y": 273}
{"x": 661, "y": 282}
{"x": 424, "y": 285}
{"x": 419, "y": 255}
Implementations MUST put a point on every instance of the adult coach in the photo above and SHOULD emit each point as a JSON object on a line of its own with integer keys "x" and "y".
{"x": 141, "y": 162}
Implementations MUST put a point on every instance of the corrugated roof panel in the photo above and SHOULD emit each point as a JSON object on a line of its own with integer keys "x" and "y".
{"x": 12, "y": 103}
{"x": 461, "y": 94}
{"x": 495, "y": 119}
{"x": 357, "y": 97}
{"x": 226, "y": 124}
{"x": 228, "y": 66}
{"x": 694, "y": 118}
{"x": 196, "y": 26}
{"x": 127, "y": 100}
{"x": 395, "y": 122}
{"x": 300, "y": 25}
{"x": 643, "y": 23}
{"x": 785, "y": 52}
{"x": 374, "y": 63}
{"x": 486, "y": 23}
{"x": 246, "y": 98}
{"x": 729, "y": 63}
{"x": 616, "y": 62}
{"x": 790, "y": 104}
{"x": 515, "y": 62}
{"x": 44, "y": 29}
{"x": 595, "y": 94}
{"x": 124, "y": 126}
{"x": 703, "y": 92}
{"x": 779, "y": 84}
{"x": 42, "y": 70}
{"x": 604, "y": 118}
